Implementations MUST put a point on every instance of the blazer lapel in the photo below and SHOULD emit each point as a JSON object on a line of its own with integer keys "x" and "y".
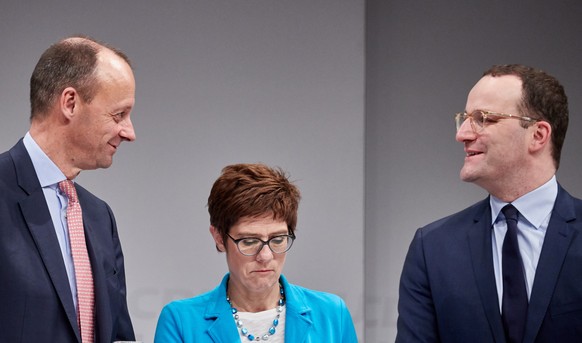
{"x": 36, "y": 214}
{"x": 298, "y": 323}
{"x": 479, "y": 236}
{"x": 556, "y": 243}
{"x": 220, "y": 331}
{"x": 221, "y": 328}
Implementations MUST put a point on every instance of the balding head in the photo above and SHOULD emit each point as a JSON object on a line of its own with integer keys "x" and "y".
{"x": 72, "y": 62}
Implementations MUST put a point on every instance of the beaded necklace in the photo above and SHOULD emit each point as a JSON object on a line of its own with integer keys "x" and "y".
{"x": 272, "y": 330}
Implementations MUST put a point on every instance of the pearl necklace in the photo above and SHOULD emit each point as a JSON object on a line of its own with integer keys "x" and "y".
{"x": 272, "y": 330}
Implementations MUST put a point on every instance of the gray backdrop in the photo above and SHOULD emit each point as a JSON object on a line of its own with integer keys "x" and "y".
{"x": 294, "y": 84}
{"x": 422, "y": 59}
{"x": 218, "y": 82}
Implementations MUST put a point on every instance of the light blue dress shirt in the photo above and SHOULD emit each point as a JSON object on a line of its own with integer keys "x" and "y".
{"x": 49, "y": 175}
{"x": 535, "y": 210}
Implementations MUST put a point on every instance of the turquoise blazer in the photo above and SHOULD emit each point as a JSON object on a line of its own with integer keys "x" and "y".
{"x": 311, "y": 316}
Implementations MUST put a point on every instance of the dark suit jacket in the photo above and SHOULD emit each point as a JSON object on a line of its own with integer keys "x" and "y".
{"x": 36, "y": 304}
{"x": 447, "y": 287}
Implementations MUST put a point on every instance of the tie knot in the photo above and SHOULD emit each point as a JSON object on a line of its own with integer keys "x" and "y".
{"x": 509, "y": 212}
{"x": 68, "y": 188}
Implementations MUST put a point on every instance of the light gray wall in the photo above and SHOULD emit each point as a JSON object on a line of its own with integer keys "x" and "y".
{"x": 282, "y": 82}
{"x": 218, "y": 82}
{"x": 422, "y": 59}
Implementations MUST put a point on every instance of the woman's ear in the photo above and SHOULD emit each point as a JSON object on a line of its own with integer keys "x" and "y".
{"x": 217, "y": 239}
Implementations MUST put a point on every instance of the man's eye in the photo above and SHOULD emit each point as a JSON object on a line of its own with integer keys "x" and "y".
{"x": 118, "y": 116}
{"x": 478, "y": 116}
{"x": 490, "y": 119}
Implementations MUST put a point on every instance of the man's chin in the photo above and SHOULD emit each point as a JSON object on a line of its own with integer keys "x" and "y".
{"x": 467, "y": 176}
{"x": 104, "y": 164}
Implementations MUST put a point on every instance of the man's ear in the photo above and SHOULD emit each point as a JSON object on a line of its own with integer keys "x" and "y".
{"x": 217, "y": 239}
{"x": 69, "y": 102}
{"x": 541, "y": 135}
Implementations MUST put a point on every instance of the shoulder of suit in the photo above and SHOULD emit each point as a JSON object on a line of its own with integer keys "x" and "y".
{"x": 457, "y": 220}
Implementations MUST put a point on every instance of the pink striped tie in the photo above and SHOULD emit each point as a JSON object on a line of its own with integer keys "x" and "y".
{"x": 83, "y": 274}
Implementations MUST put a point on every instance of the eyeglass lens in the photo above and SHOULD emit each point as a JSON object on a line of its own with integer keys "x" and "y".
{"x": 477, "y": 120}
{"x": 252, "y": 246}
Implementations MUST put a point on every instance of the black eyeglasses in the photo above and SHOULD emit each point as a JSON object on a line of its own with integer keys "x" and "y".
{"x": 251, "y": 246}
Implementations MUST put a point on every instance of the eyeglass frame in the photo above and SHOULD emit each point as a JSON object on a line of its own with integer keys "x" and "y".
{"x": 485, "y": 113}
{"x": 267, "y": 243}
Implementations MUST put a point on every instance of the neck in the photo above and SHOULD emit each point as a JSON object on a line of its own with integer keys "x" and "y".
{"x": 245, "y": 301}
{"x": 44, "y": 137}
{"x": 510, "y": 193}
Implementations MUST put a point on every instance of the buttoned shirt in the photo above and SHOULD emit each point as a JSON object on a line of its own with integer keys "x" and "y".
{"x": 535, "y": 210}
{"x": 49, "y": 176}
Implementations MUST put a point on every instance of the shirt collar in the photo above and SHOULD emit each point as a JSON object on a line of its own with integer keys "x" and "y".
{"x": 533, "y": 206}
{"x": 46, "y": 170}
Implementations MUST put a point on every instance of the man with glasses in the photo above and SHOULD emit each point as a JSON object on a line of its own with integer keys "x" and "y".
{"x": 253, "y": 214}
{"x": 508, "y": 268}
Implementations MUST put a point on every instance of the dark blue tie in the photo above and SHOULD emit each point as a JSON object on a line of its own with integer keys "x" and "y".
{"x": 514, "y": 304}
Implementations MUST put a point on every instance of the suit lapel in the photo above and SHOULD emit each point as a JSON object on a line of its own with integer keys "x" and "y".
{"x": 103, "y": 311}
{"x": 556, "y": 243}
{"x": 36, "y": 214}
{"x": 479, "y": 236}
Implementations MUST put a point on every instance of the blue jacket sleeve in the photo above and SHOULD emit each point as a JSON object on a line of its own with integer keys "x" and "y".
{"x": 349, "y": 332}
{"x": 169, "y": 327}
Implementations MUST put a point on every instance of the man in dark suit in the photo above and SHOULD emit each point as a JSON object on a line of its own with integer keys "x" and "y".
{"x": 82, "y": 93}
{"x": 465, "y": 279}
